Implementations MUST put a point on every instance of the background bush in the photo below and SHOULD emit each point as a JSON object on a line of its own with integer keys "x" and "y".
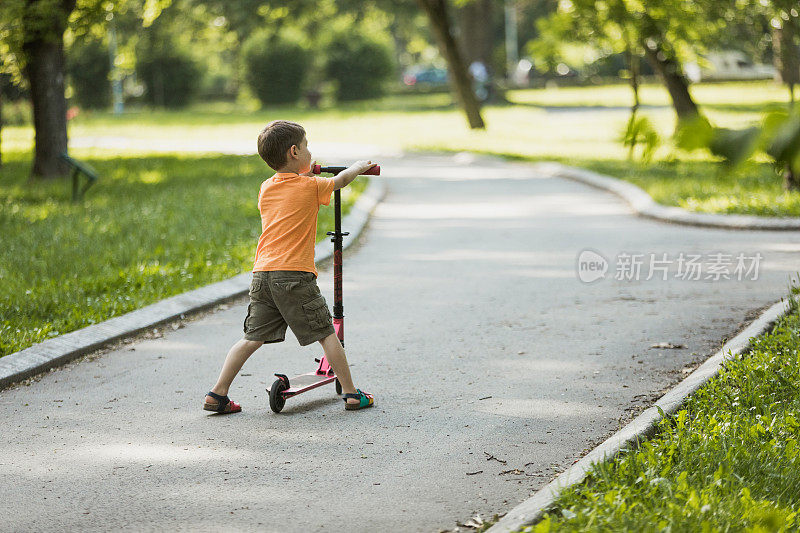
{"x": 170, "y": 74}
{"x": 88, "y": 68}
{"x": 359, "y": 64}
{"x": 275, "y": 68}
{"x": 17, "y": 113}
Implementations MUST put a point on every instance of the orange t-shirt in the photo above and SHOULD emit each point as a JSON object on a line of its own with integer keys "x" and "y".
{"x": 289, "y": 204}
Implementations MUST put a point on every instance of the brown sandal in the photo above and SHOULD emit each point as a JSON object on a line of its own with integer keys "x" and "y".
{"x": 222, "y": 405}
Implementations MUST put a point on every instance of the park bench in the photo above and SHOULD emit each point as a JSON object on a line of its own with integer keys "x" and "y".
{"x": 78, "y": 169}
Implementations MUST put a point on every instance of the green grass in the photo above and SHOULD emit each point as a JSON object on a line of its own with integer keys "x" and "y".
{"x": 544, "y": 124}
{"x": 704, "y": 186}
{"x": 151, "y": 227}
{"x": 728, "y": 461}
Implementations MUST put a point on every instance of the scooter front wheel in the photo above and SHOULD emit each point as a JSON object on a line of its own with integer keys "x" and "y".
{"x": 276, "y": 399}
{"x": 338, "y": 387}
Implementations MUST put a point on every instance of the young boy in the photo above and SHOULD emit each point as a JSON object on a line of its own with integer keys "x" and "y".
{"x": 284, "y": 289}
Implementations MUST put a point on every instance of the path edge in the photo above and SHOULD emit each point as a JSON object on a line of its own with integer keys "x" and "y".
{"x": 641, "y": 427}
{"x": 644, "y": 205}
{"x": 60, "y": 350}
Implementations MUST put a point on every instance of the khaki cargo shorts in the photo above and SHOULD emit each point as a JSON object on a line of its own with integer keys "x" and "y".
{"x": 284, "y": 298}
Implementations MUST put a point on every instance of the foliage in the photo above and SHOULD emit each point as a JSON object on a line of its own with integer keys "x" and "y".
{"x": 728, "y": 461}
{"x": 88, "y": 66}
{"x": 616, "y": 25}
{"x": 778, "y": 137}
{"x": 11, "y": 35}
{"x": 170, "y": 74}
{"x": 640, "y": 131}
{"x": 768, "y": 29}
{"x": 359, "y": 64}
{"x": 16, "y": 113}
{"x": 276, "y": 67}
{"x": 151, "y": 227}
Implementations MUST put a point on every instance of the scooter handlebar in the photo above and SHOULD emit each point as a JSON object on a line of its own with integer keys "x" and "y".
{"x": 318, "y": 169}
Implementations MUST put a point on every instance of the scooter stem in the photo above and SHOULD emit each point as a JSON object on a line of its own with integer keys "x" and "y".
{"x": 337, "y": 235}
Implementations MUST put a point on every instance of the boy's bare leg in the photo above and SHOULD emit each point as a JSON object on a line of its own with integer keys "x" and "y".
{"x": 237, "y": 355}
{"x": 334, "y": 353}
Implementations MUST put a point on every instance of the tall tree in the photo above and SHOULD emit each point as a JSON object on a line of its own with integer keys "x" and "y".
{"x": 480, "y": 30}
{"x": 44, "y": 22}
{"x": 32, "y": 43}
{"x": 662, "y": 56}
{"x": 785, "y": 32}
{"x": 439, "y": 17}
{"x": 476, "y": 31}
{"x": 663, "y": 31}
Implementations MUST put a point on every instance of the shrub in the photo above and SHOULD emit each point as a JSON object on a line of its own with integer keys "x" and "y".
{"x": 359, "y": 65}
{"x": 17, "y": 113}
{"x": 9, "y": 90}
{"x": 275, "y": 68}
{"x": 88, "y": 66}
{"x": 640, "y": 131}
{"x": 170, "y": 74}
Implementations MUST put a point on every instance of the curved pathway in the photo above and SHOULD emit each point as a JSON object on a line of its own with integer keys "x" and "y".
{"x": 494, "y": 367}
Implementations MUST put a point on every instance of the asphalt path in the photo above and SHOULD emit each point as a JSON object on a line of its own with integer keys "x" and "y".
{"x": 494, "y": 367}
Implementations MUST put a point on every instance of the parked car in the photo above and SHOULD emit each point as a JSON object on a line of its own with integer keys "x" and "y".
{"x": 729, "y": 65}
{"x": 425, "y": 76}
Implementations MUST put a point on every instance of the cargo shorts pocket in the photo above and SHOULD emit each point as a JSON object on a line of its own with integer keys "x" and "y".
{"x": 246, "y": 318}
{"x": 317, "y": 313}
{"x": 255, "y": 285}
{"x": 286, "y": 285}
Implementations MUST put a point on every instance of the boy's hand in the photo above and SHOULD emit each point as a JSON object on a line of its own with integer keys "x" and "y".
{"x": 352, "y": 172}
{"x": 359, "y": 167}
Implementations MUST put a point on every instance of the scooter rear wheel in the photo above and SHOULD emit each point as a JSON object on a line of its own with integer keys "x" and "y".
{"x": 338, "y": 387}
{"x": 276, "y": 399}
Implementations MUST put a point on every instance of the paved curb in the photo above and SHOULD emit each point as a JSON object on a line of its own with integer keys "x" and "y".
{"x": 64, "y": 348}
{"x": 639, "y": 428}
{"x": 644, "y": 205}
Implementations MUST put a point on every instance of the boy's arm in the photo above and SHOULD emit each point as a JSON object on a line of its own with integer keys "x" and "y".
{"x": 343, "y": 178}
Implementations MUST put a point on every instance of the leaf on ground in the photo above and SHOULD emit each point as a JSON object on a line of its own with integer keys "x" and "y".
{"x": 473, "y": 523}
{"x": 668, "y": 346}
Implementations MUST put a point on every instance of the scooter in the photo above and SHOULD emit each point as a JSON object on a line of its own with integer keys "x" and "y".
{"x": 284, "y": 388}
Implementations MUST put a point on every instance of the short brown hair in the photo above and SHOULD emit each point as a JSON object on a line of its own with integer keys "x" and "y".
{"x": 276, "y": 139}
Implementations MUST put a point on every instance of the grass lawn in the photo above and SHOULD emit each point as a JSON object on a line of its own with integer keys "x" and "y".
{"x": 151, "y": 227}
{"x": 575, "y": 126}
{"x": 728, "y": 461}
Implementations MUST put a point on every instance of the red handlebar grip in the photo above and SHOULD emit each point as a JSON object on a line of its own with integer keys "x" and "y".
{"x": 374, "y": 171}
{"x": 316, "y": 169}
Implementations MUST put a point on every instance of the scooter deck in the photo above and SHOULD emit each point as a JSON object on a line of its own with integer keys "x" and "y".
{"x": 306, "y": 382}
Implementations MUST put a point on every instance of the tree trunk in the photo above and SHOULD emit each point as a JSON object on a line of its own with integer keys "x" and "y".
{"x": 476, "y": 37}
{"x": 633, "y": 64}
{"x": 1, "y": 121}
{"x": 671, "y": 74}
{"x": 459, "y": 77}
{"x": 785, "y": 55}
{"x": 475, "y": 31}
{"x": 791, "y": 179}
{"x": 43, "y": 47}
